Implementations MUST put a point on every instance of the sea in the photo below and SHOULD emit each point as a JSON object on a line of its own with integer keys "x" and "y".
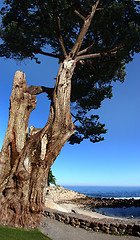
{"x": 112, "y": 192}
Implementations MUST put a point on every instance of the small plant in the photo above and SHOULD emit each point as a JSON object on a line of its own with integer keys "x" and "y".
{"x": 51, "y": 178}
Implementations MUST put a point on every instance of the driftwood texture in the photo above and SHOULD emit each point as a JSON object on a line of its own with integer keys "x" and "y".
{"x": 25, "y": 158}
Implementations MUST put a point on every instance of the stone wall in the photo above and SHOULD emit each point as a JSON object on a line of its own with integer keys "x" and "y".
{"x": 110, "y": 226}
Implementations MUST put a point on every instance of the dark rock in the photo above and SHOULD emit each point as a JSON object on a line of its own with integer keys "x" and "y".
{"x": 136, "y": 230}
{"x": 105, "y": 229}
{"x": 96, "y": 229}
{"x": 122, "y": 226}
{"x": 73, "y": 211}
{"x": 94, "y": 224}
{"x": 114, "y": 229}
{"x": 106, "y": 202}
{"x": 83, "y": 226}
{"x": 88, "y": 224}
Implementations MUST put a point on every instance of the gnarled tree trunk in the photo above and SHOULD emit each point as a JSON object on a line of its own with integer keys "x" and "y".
{"x": 25, "y": 159}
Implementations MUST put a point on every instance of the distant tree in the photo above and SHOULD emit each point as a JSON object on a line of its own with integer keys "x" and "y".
{"x": 92, "y": 40}
{"x": 51, "y": 178}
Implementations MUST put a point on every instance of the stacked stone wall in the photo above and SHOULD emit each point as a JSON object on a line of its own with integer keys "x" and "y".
{"x": 106, "y": 225}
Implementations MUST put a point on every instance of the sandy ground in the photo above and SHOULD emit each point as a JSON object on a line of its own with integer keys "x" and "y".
{"x": 58, "y": 194}
{"x": 69, "y": 207}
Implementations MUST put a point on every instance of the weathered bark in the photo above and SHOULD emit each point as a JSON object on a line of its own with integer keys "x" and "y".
{"x": 26, "y": 158}
{"x": 21, "y": 105}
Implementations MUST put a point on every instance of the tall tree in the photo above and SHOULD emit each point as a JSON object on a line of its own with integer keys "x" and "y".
{"x": 93, "y": 40}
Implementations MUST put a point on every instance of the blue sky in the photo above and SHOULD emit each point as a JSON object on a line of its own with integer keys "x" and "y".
{"x": 113, "y": 162}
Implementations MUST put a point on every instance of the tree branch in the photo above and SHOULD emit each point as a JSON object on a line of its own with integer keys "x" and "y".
{"x": 86, "y": 49}
{"x": 83, "y": 31}
{"x": 83, "y": 62}
{"x": 76, "y": 11}
{"x": 35, "y": 90}
{"x": 47, "y": 54}
{"x": 59, "y": 29}
{"x": 77, "y": 119}
{"x": 99, "y": 9}
{"x": 92, "y": 64}
{"x": 95, "y": 55}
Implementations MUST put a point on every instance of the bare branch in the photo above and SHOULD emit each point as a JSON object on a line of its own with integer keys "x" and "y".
{"x": 60, "y": 38}
{"x": 95, "y": 55}
{"x": 93, "y": 63}
{"x": 83, "y": 32}
{"x": 35, "y": 90}
{"x": 117, "y": 48}
{"x": 76, "y": 11}
{"x": 86, "y": 49}
{"x": 94, "y": 7}
{"x": 99, "y": 9}
{"x": 47, "y": 54}
{"x": 77, "y": 119}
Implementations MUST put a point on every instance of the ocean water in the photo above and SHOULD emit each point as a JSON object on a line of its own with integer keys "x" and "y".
{"x": 107, "y": 192}
{"x": 130, "y": 212}
{"x": 112, "y": 192}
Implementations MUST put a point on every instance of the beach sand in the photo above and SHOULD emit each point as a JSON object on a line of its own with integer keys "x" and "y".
{"x": 59, "y": 198}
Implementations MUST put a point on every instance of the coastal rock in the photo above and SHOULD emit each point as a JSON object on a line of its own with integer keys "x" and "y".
{"x": 136, "y": 230}
{"x": 93, "y": 203}
{"x": 59, "y": 193}
{"x": 94, "y": 224}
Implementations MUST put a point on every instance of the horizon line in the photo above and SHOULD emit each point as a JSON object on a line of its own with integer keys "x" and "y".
{"x": 80, "y": 185}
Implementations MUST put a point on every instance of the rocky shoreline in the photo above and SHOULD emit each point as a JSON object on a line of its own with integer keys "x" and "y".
{"x": 61, "y": 195}
{"x": 92, "y": 203}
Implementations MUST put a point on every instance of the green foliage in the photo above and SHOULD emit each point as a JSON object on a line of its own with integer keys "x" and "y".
{"x": 33, "y": 25}
{"x": 7, "y": 233}
{"x": 89, "y": 128}
{"x": 51, "y": 178}
{"x": 27, "y": 29}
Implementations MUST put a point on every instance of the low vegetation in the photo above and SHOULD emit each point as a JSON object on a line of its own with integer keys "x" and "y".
{"x": 16, "y": 234}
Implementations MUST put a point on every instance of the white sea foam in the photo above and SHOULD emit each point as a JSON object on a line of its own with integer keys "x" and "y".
{"x": 135, "y": 198}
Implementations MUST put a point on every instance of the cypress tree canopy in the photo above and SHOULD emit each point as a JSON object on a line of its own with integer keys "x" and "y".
{"x": 110, "y": 43}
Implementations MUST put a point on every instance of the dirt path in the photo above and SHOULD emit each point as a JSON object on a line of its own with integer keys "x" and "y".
{"x": 60, "y": 231}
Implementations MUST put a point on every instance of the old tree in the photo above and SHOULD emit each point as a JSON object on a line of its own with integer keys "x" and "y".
{"x": 93, "y": 40}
